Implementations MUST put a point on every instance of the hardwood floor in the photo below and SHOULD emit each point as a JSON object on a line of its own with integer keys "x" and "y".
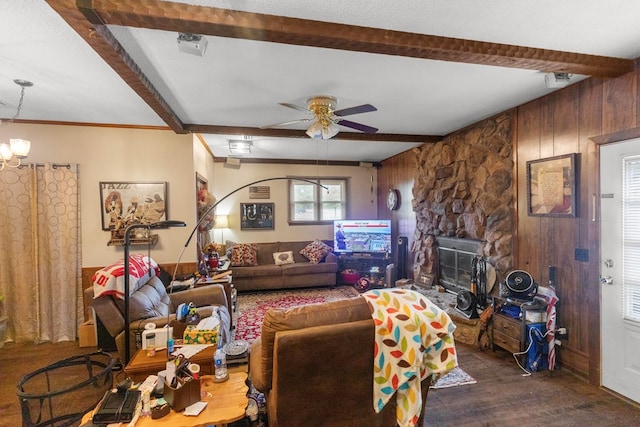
{"x": 501, "y": 397}
{"x": 18, "y": 360}
{"x": 504, "y": 397}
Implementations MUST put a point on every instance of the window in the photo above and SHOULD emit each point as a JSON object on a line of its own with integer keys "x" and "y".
{"x": 631, "y": 238}
{"x": 311, "y": 203}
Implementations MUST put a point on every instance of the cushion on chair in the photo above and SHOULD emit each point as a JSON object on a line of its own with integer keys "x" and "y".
{"x": 151, "y": 300}
{"x": 326, "y": 313}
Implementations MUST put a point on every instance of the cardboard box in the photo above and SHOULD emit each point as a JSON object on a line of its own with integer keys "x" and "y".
{"x": 200, "y": 336}
{"x": 87, "y": 334}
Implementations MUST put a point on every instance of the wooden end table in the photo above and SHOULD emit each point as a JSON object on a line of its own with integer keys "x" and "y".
{"x": 141, "y": 366}
{"x": 226, "y": 403}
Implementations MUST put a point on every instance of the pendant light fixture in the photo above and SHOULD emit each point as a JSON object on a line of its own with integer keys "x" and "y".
{"x": 12, "y": 153}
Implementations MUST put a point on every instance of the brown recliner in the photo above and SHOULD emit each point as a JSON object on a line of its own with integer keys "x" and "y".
{"x": 150, "y": 303}
{"x": 314, "y": 364}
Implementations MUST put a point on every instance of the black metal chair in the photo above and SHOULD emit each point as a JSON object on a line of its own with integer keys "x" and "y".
{"x": 61, "y": 393}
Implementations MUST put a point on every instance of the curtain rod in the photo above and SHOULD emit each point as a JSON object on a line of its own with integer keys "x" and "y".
{"x": 53, "y": 165}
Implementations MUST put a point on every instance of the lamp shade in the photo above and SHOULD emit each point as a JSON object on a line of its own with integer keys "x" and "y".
{"x": 5, "y": 151}
{"x": 222, "y": 221}
{"x": 20, "y": 147}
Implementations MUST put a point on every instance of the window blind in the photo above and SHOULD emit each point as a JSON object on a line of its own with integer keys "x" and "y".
{"x": 631, "y": 238}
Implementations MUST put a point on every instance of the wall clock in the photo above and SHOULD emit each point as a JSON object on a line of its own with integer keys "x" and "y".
{"x": 393, "y": 199}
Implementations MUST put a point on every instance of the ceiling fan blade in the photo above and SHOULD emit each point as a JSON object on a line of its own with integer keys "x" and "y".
{"x": 364, "y": 108}
{"x": 290, "y": 122}
{"x": 357, "y": 126}
{"x": 295, "y": 107}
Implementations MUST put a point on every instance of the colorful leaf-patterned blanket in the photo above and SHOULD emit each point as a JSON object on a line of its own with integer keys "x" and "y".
{"x": 414, "y": 339}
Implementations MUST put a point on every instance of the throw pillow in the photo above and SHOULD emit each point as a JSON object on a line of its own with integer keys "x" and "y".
{"x": 283, "y": 257}
{"x": 316, "y": 251}
{"x": 244, "y": 255}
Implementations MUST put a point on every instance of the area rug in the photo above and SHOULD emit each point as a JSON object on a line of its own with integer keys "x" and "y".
{"x": 454, "y": 378}
{"x": 252, "y": 306}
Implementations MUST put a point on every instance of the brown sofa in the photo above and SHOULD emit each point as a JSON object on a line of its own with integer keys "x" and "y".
{"x": 267, "y": 275}
{"x": 314, "y": 364}
{"x": 150, "y": 303}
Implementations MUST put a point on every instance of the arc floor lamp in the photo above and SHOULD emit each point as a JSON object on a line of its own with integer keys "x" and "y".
{"x": 173, "y": 223}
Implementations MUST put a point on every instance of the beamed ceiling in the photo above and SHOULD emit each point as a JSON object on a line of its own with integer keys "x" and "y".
{"x": 415, "y": 61}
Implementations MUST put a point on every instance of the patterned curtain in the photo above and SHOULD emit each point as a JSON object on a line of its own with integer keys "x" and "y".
{"x": 40, "y": 252}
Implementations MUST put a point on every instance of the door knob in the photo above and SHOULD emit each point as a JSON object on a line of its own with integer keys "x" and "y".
{"x": 606, "y": 280}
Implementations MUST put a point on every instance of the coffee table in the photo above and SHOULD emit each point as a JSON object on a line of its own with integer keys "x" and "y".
{"x": 141, "y": 366}
{"x": 226, "y": 402}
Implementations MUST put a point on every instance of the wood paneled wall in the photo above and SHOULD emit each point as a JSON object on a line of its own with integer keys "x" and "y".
{"x": 566, "y": 121}
{"x": 397, "y": 173}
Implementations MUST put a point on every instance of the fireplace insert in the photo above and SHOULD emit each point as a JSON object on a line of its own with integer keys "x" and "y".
{"x": 455, "y": 257}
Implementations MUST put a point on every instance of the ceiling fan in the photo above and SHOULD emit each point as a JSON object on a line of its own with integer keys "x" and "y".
{"x": 325, "y": 117}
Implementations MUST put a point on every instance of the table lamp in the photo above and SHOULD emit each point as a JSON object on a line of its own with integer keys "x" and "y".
{"x": 221, "y": 222}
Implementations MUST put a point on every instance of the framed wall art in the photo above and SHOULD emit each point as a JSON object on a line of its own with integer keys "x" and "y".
{"x": 552, "y": 187}
{"x": 123, "y": 203}
{"x": 257, "y": 216}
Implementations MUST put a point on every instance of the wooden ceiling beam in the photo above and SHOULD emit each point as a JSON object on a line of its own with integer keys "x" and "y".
{"x": 180, "y": 17}
{"x": 290, "y": 133}
{"x": 93, "y": 30}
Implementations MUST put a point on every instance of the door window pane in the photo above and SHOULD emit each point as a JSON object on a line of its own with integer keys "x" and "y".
{"x": 631, "y": 238}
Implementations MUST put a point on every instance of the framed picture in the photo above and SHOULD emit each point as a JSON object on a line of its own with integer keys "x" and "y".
{"x": 123, "y": 203}
{"x": 256, "y": 216}
{"x": 552, "y": 186}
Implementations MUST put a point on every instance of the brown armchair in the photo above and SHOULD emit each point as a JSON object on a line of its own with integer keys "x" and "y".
{"x": 315, "y": 366}
{"x": 150, "y": 303}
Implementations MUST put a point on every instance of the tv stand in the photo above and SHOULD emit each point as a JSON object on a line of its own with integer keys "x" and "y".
{"x": 361, "y": 255}
{"x": 369, "y": 265}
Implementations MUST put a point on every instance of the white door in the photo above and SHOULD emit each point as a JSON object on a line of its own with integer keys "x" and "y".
{"x": 620, "y": 267}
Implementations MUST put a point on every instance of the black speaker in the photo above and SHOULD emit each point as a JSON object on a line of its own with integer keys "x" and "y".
{"x": 401, "y": 265}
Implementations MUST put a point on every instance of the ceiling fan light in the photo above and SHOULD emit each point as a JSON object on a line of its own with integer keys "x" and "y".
{"x": 20, "y": 147}
{"x": 315, "y": 130}
{"x": 330, "y": 131}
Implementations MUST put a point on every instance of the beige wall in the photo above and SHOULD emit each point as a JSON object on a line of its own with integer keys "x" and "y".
{"x": 122, "y": 154}
{"x": 113, "y": 154}
{"x": 362, "y": 198}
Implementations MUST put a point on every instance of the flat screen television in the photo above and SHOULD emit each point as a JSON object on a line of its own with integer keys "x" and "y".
{"x": 362, "y": 236}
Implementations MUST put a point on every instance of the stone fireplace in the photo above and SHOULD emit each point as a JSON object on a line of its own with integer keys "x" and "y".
{"x": 463, "y": 189}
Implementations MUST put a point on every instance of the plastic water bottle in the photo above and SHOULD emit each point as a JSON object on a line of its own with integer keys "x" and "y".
{"x": 170, "y": 346}
{"x": 220, "y": 361}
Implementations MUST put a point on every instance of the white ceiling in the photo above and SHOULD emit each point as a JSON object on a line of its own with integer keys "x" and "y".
{"x": 239, "y": 82}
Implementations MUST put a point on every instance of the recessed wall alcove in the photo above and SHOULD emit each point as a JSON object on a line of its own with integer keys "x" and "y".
{"x": 464, "y": 188}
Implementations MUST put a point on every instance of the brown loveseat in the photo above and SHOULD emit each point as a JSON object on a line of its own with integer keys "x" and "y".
{"x": 150, "y": 303}
{"x": 267, "y": 275}
{"x": 314, "y": 364}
